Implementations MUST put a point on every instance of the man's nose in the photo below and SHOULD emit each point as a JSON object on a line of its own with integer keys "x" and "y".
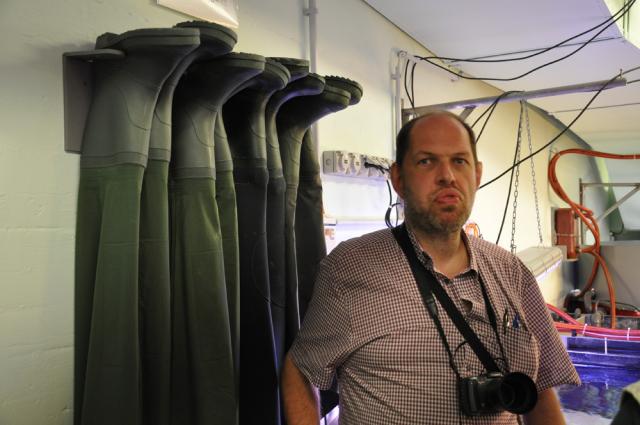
{"x": 445, "y": 174}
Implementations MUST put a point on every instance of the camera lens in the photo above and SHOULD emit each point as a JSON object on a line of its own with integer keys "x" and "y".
{"x": 517, "y": 393}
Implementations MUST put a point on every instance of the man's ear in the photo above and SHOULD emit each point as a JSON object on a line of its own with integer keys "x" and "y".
{"x": 478, "y": 173}
{"x": 396, "y": 179}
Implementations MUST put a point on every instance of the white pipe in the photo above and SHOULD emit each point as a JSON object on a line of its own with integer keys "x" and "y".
{"x": 311, "y": 12}
{"x": 397, "y": 113}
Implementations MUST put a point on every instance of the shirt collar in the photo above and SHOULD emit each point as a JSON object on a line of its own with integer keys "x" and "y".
{"x": 426, "y": 259}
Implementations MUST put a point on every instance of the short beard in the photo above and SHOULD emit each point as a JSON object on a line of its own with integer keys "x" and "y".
{"x": 429, "y": 223}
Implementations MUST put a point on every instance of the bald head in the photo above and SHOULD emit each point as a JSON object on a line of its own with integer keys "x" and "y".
{"x": 403, "y": 139}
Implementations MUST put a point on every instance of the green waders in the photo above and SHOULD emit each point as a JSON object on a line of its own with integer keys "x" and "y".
{"x": 203, "y": 382}
{"x": 311, "y": 248}
{"x": 108, "y": 353}
{"x": 244, "y": 120}
{"x": 309, "y": 224}
{"x": 276, "y": 190}
{"x": 154, "y": 271}
{"x": 293, "y": 120}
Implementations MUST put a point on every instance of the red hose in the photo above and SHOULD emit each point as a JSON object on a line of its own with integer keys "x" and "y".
{"x": 592, "y": 331}
{"x": 586, "y": 215}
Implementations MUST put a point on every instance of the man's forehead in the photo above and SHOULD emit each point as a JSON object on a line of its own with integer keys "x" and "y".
{"x": 440, "y": 131}
{"x": 437, "y": 121}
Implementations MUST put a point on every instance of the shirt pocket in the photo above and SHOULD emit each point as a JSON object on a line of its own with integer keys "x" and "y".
{"x": 521, "y": 348}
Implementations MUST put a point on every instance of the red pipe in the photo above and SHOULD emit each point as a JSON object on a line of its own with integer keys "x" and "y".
{"x": 586, "y": 215}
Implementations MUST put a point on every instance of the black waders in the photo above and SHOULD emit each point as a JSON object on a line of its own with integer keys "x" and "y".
{"x": 293, "y": 120}
{"x": 244, "y": 120}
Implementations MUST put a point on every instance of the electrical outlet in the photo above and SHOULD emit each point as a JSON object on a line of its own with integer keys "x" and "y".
{"x": 356, "y": 164}
{"x": 353, "y": 164}
{"x": 333, "y": 162}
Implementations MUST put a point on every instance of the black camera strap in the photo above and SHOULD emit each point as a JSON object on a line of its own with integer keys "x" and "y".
{"x": 428, "y": 285}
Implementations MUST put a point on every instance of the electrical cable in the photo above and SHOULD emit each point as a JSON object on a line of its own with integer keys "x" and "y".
{"x": 564, "y": 130}
{"x": 536, "y": 68}
{"x": 614, "y": 16}
{"x": 406, "y": 87}
{"x": 392, "y": 205}
{"x": 495, "y": 102}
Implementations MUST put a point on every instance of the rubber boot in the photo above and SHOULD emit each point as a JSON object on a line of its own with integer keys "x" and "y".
{"x": 155, "y": 297}
{"x": 311, "y": 249}
{"x": 107, "y": 369}
{"x": 244, "y": 120}
{"x": 203, "y": 383}
{"x": 275, "y": 195}
{"x": 293, "y": 120}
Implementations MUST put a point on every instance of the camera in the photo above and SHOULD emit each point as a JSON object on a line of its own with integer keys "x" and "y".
{"x": 494, "y": 392}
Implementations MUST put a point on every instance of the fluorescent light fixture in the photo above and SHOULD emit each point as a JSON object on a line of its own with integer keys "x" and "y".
{"x": 541, "y": 260}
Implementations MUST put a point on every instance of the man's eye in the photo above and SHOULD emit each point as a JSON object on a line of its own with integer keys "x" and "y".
{"x": 425, "y": 161}
{"x": 460, "y": 161}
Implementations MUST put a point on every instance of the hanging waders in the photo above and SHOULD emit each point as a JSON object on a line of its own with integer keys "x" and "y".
{"x": 107, "y": 352}
{"x": 203, "y": 383}
{"x": 293, "y": 120}
{"x": 311, "y": 248}
{"x": 244, "y": 121}
{"x": 276, "y": 189}
{"x": 154, "y": 271}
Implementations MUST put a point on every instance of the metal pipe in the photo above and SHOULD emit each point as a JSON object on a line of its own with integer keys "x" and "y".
{"x": 553, "y": 91}
{"x": 617, "y": 204}
{"x": 397, "y": 104}
{"x": 610, "y": 184}
{"x": 311, "y": 12}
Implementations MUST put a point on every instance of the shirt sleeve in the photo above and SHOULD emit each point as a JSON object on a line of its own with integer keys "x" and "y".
{"x": 323, "y": 340}
{"x": 555, "y": 366}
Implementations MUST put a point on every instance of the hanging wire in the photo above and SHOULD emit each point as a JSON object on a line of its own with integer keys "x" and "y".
{"x": 564, "y": 130}
{"x": 625, "y": 10}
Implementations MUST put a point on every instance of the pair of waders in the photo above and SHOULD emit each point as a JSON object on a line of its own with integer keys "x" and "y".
{"x": 244, "y": 121}
{"x": 203, "y": 380}
{"x": 111, "y": 341}
{"x": 124, "y": 304}
{"x": 284, "y": 307}
{"x": 311, "y": 248}
{"x": 304, "y": 228}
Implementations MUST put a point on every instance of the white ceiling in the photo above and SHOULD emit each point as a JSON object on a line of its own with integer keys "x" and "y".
{"x": 476, "y": 29}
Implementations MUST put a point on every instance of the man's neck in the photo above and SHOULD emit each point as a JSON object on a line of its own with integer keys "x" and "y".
{"x": 448, "y": 251}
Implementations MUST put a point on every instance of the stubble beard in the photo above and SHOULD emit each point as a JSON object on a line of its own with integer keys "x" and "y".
{"x": 449, "y": 220}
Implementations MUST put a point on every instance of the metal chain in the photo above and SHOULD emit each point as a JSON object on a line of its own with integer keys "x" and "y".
{"x": 516, "y": 182}
{"x": 533, "y": 171}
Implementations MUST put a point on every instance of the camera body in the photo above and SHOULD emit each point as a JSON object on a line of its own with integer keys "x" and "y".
{"x": 494, "y": 392}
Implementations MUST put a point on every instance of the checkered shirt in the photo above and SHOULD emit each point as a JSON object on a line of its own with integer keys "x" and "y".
{"x": 368, "y": 326}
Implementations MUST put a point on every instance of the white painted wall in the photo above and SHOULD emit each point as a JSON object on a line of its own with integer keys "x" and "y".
{"x": 38, "y": 181}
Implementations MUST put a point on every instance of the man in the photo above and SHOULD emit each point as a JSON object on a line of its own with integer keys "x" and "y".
{"x": 367, "y": 322}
